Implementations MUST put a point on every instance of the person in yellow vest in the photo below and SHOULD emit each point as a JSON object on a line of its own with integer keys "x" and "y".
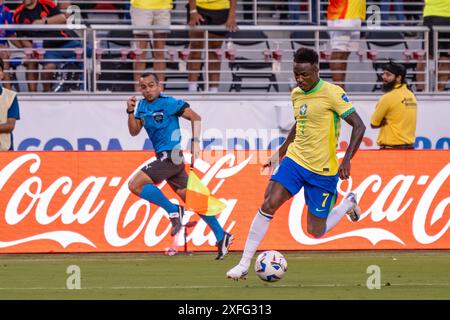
{"x": 9, "y": 113}
{"x": 396, "y": 112}
{"x": 436, "y": 13}
{"x": 211, "y": 13}
{"x": 349, "y": 14}
{"x": 146, "y": 13}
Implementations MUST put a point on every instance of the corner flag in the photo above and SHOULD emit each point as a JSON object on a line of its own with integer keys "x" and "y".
{"x": 199, "y": 198}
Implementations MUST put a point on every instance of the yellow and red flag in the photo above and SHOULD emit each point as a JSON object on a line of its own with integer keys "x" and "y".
{"x": 199, "y": 198}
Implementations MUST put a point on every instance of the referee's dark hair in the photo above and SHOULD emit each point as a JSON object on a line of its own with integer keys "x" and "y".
{"x": 148, "y": 74}
{"x": 306, "y": 55}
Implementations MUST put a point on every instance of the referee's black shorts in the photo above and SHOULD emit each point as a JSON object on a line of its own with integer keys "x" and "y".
{"x": 168, "y": 166}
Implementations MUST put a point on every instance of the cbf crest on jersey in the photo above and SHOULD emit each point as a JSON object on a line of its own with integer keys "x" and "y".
{"x": 345, "y": 98}
{"x": 303, "y": 109}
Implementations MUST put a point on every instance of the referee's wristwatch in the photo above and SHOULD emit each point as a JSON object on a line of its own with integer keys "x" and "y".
{"x": 130, "y": 112}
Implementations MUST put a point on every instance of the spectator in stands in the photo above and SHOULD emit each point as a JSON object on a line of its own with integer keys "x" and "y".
{"x": 210, "y": 13}
{"x": 395, "y": 113}
{"x": 5, "y": 54}
{"x": 150, "y": 13}
{"x": 385, "y": 7}
{"x": 42, "y": 12}
{"x": 436, "y": 13}
{"x": 295, "y": 8}
{"x": 350, "y": 14}
{"x": 9, "y": 113}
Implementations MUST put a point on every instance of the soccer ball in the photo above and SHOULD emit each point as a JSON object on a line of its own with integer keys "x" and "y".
{"x": 270, "y": 266}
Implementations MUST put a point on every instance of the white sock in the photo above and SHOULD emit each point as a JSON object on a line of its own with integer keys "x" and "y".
{"x": 193, "y": 86}
{"x": 213, "y": 89}
{"x": 256, "y": 234}
{"x": 336, "y": 214}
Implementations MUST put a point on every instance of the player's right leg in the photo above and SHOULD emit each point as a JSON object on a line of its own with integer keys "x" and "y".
{"x": 284, "y": 183}
{"x": 275, "y": 196}
{"x": 143, "y": 186}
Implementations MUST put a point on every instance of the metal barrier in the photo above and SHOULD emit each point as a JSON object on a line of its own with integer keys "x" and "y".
{"x": 441, "y": 57}
{"x": 259, "y": 57}
{"x": 254, "y": 58}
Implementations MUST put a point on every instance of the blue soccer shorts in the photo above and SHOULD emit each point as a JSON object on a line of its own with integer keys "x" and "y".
{"x": 320, "y": 191}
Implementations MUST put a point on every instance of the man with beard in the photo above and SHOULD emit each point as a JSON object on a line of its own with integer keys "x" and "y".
{"x": 396, "y": 111}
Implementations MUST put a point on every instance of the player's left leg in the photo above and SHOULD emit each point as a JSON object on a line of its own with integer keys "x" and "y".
{"x": 224, "y": 239}
{"x": 322, "y": 217}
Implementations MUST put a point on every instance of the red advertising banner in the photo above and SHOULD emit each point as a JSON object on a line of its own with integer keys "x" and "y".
{"x": 80, "y": 202}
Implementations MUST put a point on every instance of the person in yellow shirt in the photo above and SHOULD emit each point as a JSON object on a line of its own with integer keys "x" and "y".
{"x": 310, "y": 160}
{"x": 348, "y": 14}
{"x": 210, "y": 13}
{"x": 436, "y": 13}
{"x": 146, "y": 13}
{"x": 396, "y": 112}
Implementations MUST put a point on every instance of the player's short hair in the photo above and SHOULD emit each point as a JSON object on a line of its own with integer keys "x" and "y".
{"x": 148, "y": 74}
{"x": 2, "y": 64}
{"x": 306, "y": 55}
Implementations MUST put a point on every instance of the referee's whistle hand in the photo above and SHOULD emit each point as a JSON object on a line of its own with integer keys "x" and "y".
{"x": 131, "y": 103}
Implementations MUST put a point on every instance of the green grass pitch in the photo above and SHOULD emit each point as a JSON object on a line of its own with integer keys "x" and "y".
{"x": 310, "y": 275}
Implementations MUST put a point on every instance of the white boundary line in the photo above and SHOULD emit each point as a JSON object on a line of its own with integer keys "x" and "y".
{"x": 231, "y": 286}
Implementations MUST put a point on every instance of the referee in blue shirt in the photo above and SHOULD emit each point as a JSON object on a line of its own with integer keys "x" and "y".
{"x": 159, "y": 115}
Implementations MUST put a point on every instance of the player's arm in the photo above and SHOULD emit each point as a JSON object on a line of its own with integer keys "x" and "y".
{"x": 281, "y": 152}
{"x": 134, "y": 125}
{"x": 358, "y": 129}
{"x": 196, "y": 125}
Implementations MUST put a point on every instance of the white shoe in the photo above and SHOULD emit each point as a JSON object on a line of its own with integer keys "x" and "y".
{"x": 354, "y": 212}
{"x": 238, "y": 272}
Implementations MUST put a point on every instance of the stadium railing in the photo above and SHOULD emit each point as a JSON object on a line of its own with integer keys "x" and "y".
{"x": 276, "y": 56}
{"x": 70, "y": 73}
{"x": 110, "y": 66}
{"x": 441, "y": 54}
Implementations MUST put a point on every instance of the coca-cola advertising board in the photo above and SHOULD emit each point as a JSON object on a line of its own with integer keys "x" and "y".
{"x": 80, "y": 202}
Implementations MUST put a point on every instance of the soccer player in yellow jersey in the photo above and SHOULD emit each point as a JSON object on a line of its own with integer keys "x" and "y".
{"x": 396, "y": 110}
{"x": 310, "y": 160}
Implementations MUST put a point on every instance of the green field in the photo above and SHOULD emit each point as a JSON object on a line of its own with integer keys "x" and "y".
{"x": 311, "y": 275}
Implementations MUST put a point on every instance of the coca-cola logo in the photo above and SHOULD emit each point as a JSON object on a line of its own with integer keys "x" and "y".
{"x": 40, "y": 199}
{"x": 82, "y": 201}
{"x": 400, "y": 184}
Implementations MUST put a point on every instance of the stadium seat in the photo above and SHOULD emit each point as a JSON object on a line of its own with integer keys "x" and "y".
{"x": 177, "y": 49}
{"x": 244, "y": 64}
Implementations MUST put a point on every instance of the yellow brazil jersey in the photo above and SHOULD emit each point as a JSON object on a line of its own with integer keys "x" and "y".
{"x": 438, "y": 8}
{"x": 152, "y": 4}
{"x": 346, "y": 9}
{"x": 317, "y": 114}
{"x": 399, "y": 108}
{"x": 213, "y": 4}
